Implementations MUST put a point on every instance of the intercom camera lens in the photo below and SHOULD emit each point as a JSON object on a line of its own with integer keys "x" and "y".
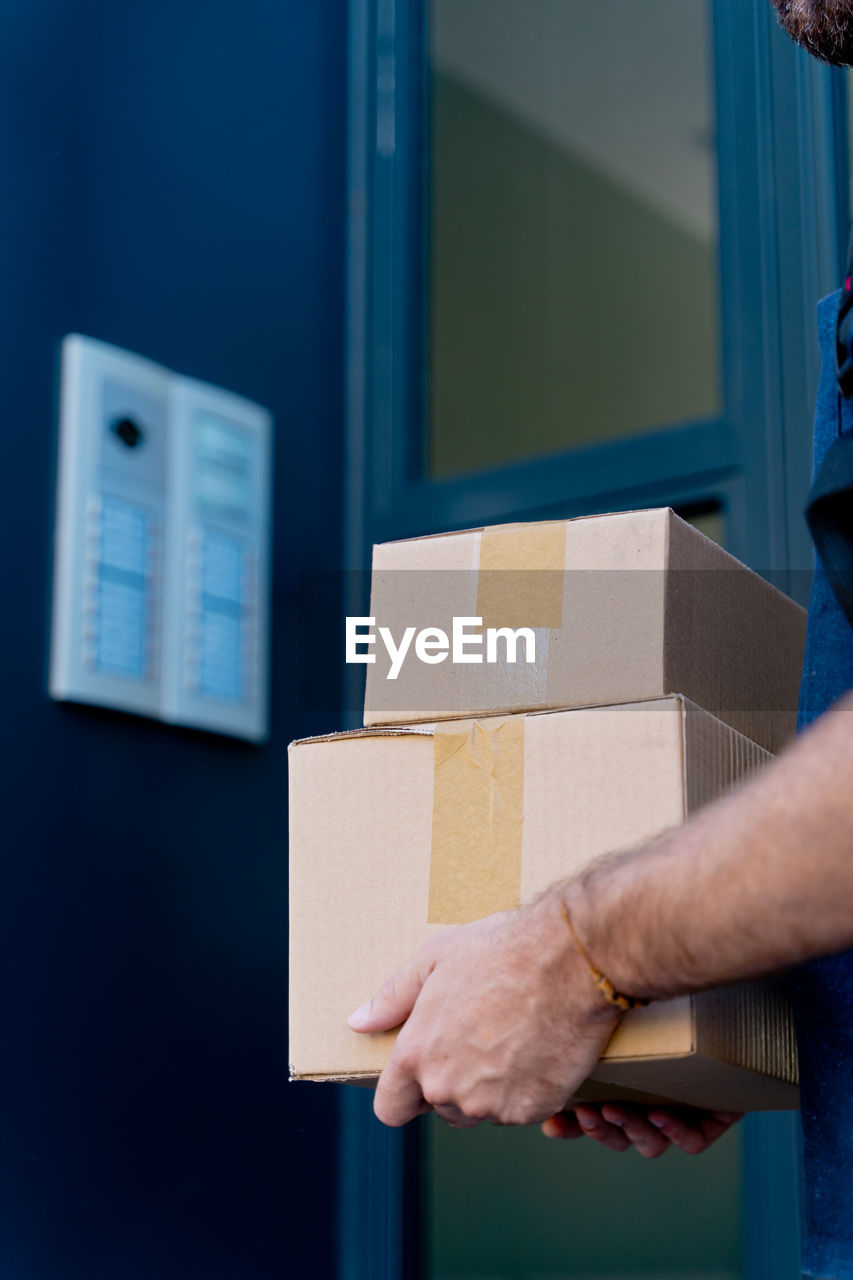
{"x": 128, "y": 432}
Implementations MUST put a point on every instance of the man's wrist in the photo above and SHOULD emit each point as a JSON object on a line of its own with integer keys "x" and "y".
{"x": 618, "y": 999}
{"x": 590, "y": 905}
{"x": 570, "y": 973}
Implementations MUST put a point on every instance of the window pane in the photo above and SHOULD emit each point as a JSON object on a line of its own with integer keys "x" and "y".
{"x": 572, "y": 226}
{"x": 507, "y": 1203}
{"x": 711, "y": 523}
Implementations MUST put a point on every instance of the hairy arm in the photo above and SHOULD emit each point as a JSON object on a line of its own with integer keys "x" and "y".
{"x": 756, "y": 882}
{"x": 502, "y": 1019}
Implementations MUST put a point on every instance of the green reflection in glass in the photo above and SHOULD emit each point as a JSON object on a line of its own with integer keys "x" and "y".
{"x": 711, "y": 523}
{"x": 508, "y": 1204}
{"x": 572, "y": 287}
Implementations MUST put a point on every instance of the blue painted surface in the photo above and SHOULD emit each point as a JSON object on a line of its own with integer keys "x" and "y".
{"x": 173, "y": 182}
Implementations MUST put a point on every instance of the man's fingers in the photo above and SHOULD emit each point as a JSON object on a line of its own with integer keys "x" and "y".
{"x": 563, "y": 1125}
{"x": 716, "y": 1123}
{"x": 692, "y": 1131}
{"x": 396, "y": 998}
{"x": 398, "y": 1096}
{"x": 651, "y": 1130}
{"x": 649, "y": 1140}
{"x": 595, "y": 1126}
{"x": 454, "y": 1117}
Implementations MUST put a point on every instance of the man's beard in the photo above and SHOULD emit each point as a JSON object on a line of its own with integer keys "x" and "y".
{"x": 824, "y": 27}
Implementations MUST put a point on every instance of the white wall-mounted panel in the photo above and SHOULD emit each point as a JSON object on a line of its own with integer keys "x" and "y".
{"x": 161, "y": 563}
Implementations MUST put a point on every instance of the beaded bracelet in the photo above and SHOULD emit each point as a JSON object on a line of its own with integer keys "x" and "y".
{"x": 605, "y": 986}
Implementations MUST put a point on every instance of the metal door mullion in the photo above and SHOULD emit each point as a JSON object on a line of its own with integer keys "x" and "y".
{"x": 697, "y": 455}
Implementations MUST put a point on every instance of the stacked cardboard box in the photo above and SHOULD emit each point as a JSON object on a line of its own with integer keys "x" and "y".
{"x": 662, "y": 673}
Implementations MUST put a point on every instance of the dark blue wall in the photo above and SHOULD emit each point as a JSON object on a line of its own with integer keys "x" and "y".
{"x": 173, "y": 179}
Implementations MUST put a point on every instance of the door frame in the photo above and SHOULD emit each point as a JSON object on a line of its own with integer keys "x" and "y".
{"x": 783, "y": 198}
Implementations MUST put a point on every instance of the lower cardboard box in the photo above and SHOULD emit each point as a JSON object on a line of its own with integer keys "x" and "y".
{"x": 398, "y": 832}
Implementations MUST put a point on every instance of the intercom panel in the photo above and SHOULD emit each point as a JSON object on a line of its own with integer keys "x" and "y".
{"x": 216, "y": 606}
{"x": 111, "y": 504}
{"x": 161, "y": 561}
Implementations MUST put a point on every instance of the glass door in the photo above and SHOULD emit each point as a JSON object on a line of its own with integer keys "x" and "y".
{"x": 572, "y": 300}
{"x": 585, "y": 248}
{"x": 573, "y": 227}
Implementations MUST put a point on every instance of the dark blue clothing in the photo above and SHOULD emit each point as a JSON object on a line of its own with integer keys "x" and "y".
{"x": 823, "y": 990}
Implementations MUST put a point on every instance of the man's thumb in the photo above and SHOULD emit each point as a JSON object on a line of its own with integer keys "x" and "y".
{"x": 394, "y": 1000}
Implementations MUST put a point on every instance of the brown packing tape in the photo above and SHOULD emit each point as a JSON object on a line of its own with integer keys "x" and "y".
{"x": 478, "y": 792}
{"x": 520, "y": 579}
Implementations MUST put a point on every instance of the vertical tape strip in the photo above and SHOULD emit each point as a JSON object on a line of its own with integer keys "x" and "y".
{"x": 520, "y": 579}
{"x": 475, "y": 864}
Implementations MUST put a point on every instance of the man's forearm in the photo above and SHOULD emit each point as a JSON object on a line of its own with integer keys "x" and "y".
{"x": 499, "y": 1019}
{"x": 758, "y": 881}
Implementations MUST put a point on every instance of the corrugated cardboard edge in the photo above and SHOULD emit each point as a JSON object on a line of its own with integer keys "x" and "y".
{"x": 366, "y": 1078}
{"x": 370, "y": 731}
{"x": 694, "y": 1080}
{"x": 743, "y": 1036}
{"x": 685, "y": 1079}
{"x": 703, "y": 732}
{"x": 372, "y": 725}
{"x": 717, "y": 608}
{"x": 427, "y": 727}
{"x": 590, "y": 1090}
{"x": 748, "y": 1025}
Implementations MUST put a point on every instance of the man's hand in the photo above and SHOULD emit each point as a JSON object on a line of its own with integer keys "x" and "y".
{"x": 650, "y": 1130}
{"x": 502, "y": 1022}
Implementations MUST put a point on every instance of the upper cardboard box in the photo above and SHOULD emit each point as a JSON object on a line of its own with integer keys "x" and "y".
{"x": 395, "y": 833}
{"x": 620, "y": 608}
